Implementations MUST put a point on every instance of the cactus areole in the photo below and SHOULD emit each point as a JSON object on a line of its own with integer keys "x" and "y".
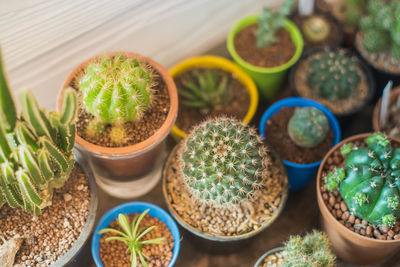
{"x": 369, "y": 181}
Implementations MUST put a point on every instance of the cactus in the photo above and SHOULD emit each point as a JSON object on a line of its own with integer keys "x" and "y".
{"x": 223, "y": 162}
{"x": 354, "y": 10}
{"x": 115, "y": 91}
{"x": 35, "y": 150}
{"x": 310, "y": 250}
{"x": 333, "y": 75}
{"x": 369, "y": 182}
{"x": 316, "y": 29}
{"x": 205, "y": 90}
{"x": 308, "y": 127}
{"x": 270, "y": 22}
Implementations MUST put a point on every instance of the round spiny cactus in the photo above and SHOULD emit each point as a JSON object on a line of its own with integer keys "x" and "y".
{"x": 333, "y": 75}
{"x": 223, "y": 161}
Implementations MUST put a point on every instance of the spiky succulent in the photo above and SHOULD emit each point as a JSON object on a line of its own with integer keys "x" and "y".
{"x": 270, "y": 22}
{"x": 205, "y": 90}
{"x": 310, "y": 250}
{"x": 333, "y": 75}
{"x": 316, "y": 29}
{"x": 369, "y": 182}
{"x": 223, "y": 161}
{"x": 308, "y": 127}
{"x": 116, "y": 90}
{"x": 36, "y": 153}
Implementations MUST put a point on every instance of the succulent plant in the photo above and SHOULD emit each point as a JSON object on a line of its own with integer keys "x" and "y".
{"x": 333, "y": 75}
{"x": 310, "y": 250}
{"x": 316, "y": 29}
{"x": 369, "y": 182}
{"x": 308, "y": 127}
{"x": 270, "y": 22}
{"x": 36, "y": 153}
{"x": 223, "y": 162}
{"x": 354, "y": 10}
{"x": 205, "y": 90}
{"x": 116, "y": 90}
{"x": 131, "y": 235}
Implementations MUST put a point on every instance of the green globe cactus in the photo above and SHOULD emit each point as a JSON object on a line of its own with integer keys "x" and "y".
{"x": 223, "y": 161}
{"x": 369, "y": 182}
{"x": 333, "y": 75}
{"x": 308, "y": 127}
{"x": 310, "y": 250}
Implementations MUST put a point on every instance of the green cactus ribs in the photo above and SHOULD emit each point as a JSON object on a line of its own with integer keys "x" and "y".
{"x": 223, "y": 162}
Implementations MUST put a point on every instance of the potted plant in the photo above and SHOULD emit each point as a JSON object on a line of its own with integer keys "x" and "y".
{"x": 358, "y": 196}
{"x": 335, "y": 78}
{"x": 301, "y": 131}
{"x": 223, "y": 185}
{"x": 391, "y": 126}
{"x": 311, "y": 250}
{"x": 136, "y": 234}
{"x": 378, "y": 40}
{"x": 48, "y": 202}
{"x": 211, "y": 86}
{"x": 127, "y": 106}
{"x": 265, "y": 46}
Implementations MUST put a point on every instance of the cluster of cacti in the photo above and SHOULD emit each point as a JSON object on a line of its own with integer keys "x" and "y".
{"x": 369, "y": 182}
{"x": 270, "y": 22}
{"x": 36, "y": 153}
{"x": 308, "y": 127}
{"x": 381, "y": 26}
{"x": 116, "y": 90}
{"x": 223, "y": 161}
{"x": 316, "y": 29}
{"x": 310, "y": 250}
{"x": 333, "y": 75}
{"x": 354, "y": 10}
{"x": 205, "y": 90}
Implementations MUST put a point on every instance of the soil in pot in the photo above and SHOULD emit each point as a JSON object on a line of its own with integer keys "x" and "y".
{"x": 276, "y": 134}
{"x": 115, "y": 253}
{"x": 274, "y": 259}
{"x": 49, "y": 236}
{"x": 268, "y": 57}
{"x": 237, "y": 106}
{"x": 136, "y": 132}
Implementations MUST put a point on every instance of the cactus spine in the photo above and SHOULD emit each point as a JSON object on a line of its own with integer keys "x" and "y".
{"x": 223, "y": 162}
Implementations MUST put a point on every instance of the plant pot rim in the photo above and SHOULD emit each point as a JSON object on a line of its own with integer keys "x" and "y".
{"x": 136, "y": 206}
{"x": 286, "y": 102}
{"x": 324, "y": 209}
{"x": 375, "y": 115}
{"x": 364, "y": 68}
{"x": 189, "y": 228}
{"x": 152, "y": 141}
{"x": 269, "y": 252}
{"x": 209, "y": 61}
{"x": 252, "y": 19}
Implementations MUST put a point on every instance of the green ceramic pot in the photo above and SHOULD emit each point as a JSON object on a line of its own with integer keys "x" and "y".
{"x": 268, "y": 80}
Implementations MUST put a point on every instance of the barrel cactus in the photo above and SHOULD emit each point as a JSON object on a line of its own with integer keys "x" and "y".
{"x": 316, "y": 29}
{"x": 369, "y": 182}
{"x": 333, "y": 75}
{"x": 223, "y": 162}
{"x": 116, "y": 90}
{"x": 308, "y": 127}
{"x": 36, "y": 153}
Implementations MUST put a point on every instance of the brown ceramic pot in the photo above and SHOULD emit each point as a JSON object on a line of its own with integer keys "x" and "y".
{"x": 346, "y": 244}
{"x": 126, "y": 163}
{"x": 375, "y": 117}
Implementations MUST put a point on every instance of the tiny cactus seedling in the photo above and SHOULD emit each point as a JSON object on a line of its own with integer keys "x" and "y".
{"x": 205, "y": 90}
{"x": 369, "y": 182}
{"x": 316, "y": 29}
{"x": 270, "y": 22}
{"x": 308, "y": 127}
{"x": 310, "y": 250}
{"x": 223, "y": 161}
{"x": 333, "y": 75}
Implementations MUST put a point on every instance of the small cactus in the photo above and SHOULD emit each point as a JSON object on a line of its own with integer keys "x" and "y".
{"x": 333, "y": 75}
{"x": 310, "y": 250}
{"x": 308, "y": 127}
{"x": 369, "y": 182}
{"x": 223, "y": 162}
{"x": 316, "y": 29}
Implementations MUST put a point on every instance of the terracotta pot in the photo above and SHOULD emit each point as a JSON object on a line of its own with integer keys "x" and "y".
{"x": 128, "y": 163}
{"x": 346, "y": 244}
{"x": 375, "y": 117}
